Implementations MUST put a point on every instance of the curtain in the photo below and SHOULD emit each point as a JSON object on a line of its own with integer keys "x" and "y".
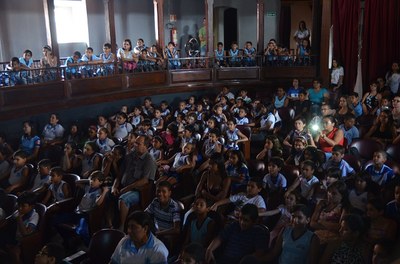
{"x": 345, "y": 19}
{"x": 381, "y": 38}
{"x": 285, "y": 26}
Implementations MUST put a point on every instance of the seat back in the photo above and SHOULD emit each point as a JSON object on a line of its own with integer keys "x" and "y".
{"x": 365, "y": 148}
{"x": 353, "y": 162}
{"x": 71, "y": 178}
{"x": 9, "y": 204}
{"x": 102, "y": 245}
{"x": 394, "y": 152}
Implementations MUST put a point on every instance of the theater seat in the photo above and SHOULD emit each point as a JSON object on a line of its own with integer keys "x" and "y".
{"x": 9, "y": 204}
{"x": 393, "y": 152}
{"x": 364, "y": 148}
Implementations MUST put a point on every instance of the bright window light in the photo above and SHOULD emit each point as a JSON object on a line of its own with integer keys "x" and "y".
{"x": 71, "y": 21}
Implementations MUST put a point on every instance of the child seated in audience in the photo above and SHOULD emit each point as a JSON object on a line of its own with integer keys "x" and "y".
{"x": 272, "y": 148}
{"x": 15, "y": 75}
{"x": 172, "y": 56}
{"x": 103, "y": 142}
{"x": 237, "y": 170}
{"x": 219, "y": 55}
{"x": 243, "y": 95}
{"x": 88, "y": 59}
{"x": 234, "y": 56}
{"x": 42, "y": 180}
{"x": 94, "y": 194}
{"x": 159, "y": 61}
{"x": 18, "y": 176}
{"x": 275, "y": 181}
{"x": 233, "y": 136}
{"x": 285, "y": 211}
{"x": 107, "y": 58}
{"x": 385, "y": 105}
{"x": 379, "y": 171}
{"x": 122, "y": 127}
{"x": 181, "y": 161}
{"x": 356, "y": 104}
{"x": 271, "y": 53}
{"x": 181, "y": 109}
{"x": 20, "y": 225}
{"x": 380, "y": 228}
{"x": 157, "y": 122}
{"x": 26, "y": 59}
{"x": 69, "y": 159}
{"x": 304, "y": 51}
{"x": 219, "y": 115}
{"x": 165, "y": 110}
{"x": 242, "y": 119}
{"x": 200, "y": 228}
{"x": 240, "y": 238}
{"x": 300, "y": 130}
{"x": 251, "y": 196}
{"x": 157, "y": 148}
{"x": 280, "y": 99}
{"x": 58, "y": 189}
{"x": 302, "y": 106}
{"x": 72, "y": 71}
{"x": 188, "y": 135}
{"x": 136, "y": 117}
{"x": 392, "y": 209}
{"x": 147, "y": 108}
{"x": 90, "y": 160}
{"x": 337, "y": 161}
{"x": 350, "y": 131}
{"x": 165, "y": 211}
{"x": 211, "y": 123}
{"x": 296, "y": 155}
{"x": 306, "y": 180}
{"x": 296, "y": 243}
{"x": 193, "y": 253}
{"x": 358, "y": 196}
{"x": 249, "y": 54}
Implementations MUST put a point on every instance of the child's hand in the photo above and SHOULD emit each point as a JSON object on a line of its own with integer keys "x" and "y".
{"x": 213, "y": 207}
{"x": 105, "y": 189}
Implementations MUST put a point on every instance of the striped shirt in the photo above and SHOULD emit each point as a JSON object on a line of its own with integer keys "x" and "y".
{"x": 164, "y": 217}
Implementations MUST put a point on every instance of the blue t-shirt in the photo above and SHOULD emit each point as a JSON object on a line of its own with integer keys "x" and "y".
{"x": 316, "y": 97}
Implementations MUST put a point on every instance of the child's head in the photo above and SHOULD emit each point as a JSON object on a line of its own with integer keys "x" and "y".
{"x": 101, "y": 120}
{"x": 231, "y": 124}
{"x": 300, "y": 123}
{"x": 214, "y": 134}
{"x": 164, "y": 105}
{"x": 236, "y": 158}
{"x": 375, "y": 208}
{"x": 242, "y": 112}
{"x": 275, "y": 165}
{"x": 90, "y": 148}
{"x": 27, "y": 54}
{"x": 200, "y": 206}
{"x": 107, "y": 48}
{"x": 29, "y": 128}
{"x": 193, "y": 253}
{"x": 307, "y": 168}
{"x": 248, "y": 44}
{"x": 20, "y": 157}
{"x": 92, "y": 132}
{"x": 291, "y": 198}
{"x": 272, "y": 142}
{"x": 302, "y": 95}
{"x": 157, "y": 113}
{"x": 70, "y": 148}
{"x": 248, "y": 216}
{"x": 280, "y": 91}
{"x": 361, "y": 180}
{"x": 379, "y": 157}
{"x": 189, "y": 130}
{"x": 46, "y": 49}
{"x": 212, "y": 122}
{"x": 118, "y": 152}
{"x": 76, "y": 56}
{"x": 140, "y": 42}
{"x": 234, "y": 45}
{"x": 333, "y": 175}
{"x": 54, "y": 119}
{"x": 171, "y": 45}
{"x": 301, "y": 216}
{"x": 14, "y": 62}
{"x": 217, "y": 163}
{"x": 254, "y": 186}
{"x": 353, "y": 96}
{"x": 102, "y": 133}
{"x": 188, "y": 148}
{"x": 385, "y": 102}
{"x": 96, "y": 179}
{"x": 397, "y": 192}
{"x": 157, "y": 142}
{"x": 349, "y": 120}
{"x": 191, "y": 118}
{"x": 243, "y": 93}
{"x": 337, "y": 192}
{"x": 26, "y": 202}
{"x": 300, "y": 143}
{"x": 56, "y": 175}
{"x": 89, "y": 52}
{"x": 337, "y": 153}
{"x": 121, "y": 118}
{"x": 44, "y": 167}
{"x": 146, "y": 124}
{"x": 163, "y": 192}
{"x": 147, "y": 102}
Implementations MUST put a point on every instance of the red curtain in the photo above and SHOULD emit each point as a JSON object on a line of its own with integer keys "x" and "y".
{"x": 345, "y": 19}
{"x": 381, "y": 38}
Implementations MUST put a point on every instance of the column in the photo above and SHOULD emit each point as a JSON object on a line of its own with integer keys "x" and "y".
{"x": 51, "y": 32}
{"x": 159, "y": 23}
{"x": 260, "y": 26}
{"x": 110, "y": 24}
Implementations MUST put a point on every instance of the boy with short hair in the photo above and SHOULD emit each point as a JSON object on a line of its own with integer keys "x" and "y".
{"x": 337, "y": 161}
{"x": 106, "y": 58}
{"x": 58, "y": 189}
{"x": 350, "y": 131}
{"x": 274, "y": 180}
{"x": 379, "y": 171}
{"x": 356, "y": 104}
{"x": 15, "y": 74}
{"x": 42, "y": 179}
{"x": 72, "y": 62}
{"x": 306, "y": 180}
{"x": 88, "y": 58}
{"x": 241, "y": 238}
{"x": 302, "y": 105}
{"x": 249, "y": 54}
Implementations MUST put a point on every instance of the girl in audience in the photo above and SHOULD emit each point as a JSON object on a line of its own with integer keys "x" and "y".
{"x": 233, "y": 136}
{"x": 280, "y": 99}
{"x": 122, "y": 127}
{"x": 212, "y": 123}
{"x": 90, "y": 160}
{"x": 30, "y": 141}
{"x": 18, "y": 177}
{"x": 214, "y": 183}
{"x": 358, "y": 196}
{"x": 383, "y": 131}
{"x": 126, "y": 55}
{"x": 329, "y": 136}
{"x": 296, "y": 244}
{"x": 349, "y": 247}
{"x": 136, "y": 117}
{"x": 69, "y": 160}
{"x": 103, "y": 142}
{"x": 343, "y": 109}
{"x": 112, "y": 163}
{"x": 157, "y": 148}
{"x": 380, "y": 228}
{"x": 181, "y": 161}
{"x": 300, "y": 130}
{"x": 272, "y": 148}
{"x": 237, "y": 170}
{"x": 210, "y": 146}
{"x": 295, "y": 157}
{"x": 371, "y": 100}
{"x": 103, "y": 122}
{"x": 327, "y": 214}
{"x": 75, "y": 135}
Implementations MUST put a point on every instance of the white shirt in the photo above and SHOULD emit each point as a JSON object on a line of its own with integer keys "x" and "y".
{"x": 335, "y": 75}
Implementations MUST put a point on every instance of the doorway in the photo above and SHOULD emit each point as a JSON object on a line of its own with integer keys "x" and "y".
{"x": 230, "y": 27}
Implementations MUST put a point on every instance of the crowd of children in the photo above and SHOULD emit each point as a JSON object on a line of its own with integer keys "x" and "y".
{"x": 198, "y": 148}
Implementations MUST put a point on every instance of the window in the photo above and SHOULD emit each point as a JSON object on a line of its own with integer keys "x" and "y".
{"x": 71, "y": 21}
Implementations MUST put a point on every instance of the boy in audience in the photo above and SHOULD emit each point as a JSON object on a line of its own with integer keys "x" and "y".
{"x": 379, "y": 171}
{"x": 42, "y": 179}
{"x": 302, "y": 105}
{"x": 249, "y": 56}
{"x": 241, "y": 238}
{"x": 392, "y": 209}
{"x": 306, "y": 180}
{"x": 58, "y": 189}
{"x": 337, "y": 161}
{"x": 72, "y": 71}
{"x": 350, "y": 131}
{"x": 356, "y": 104}
{"x": 274, "y": 180}
{"x": 15, "y": 74}
{"x": 88, "y": 58}
{"x": 107, "y": 58}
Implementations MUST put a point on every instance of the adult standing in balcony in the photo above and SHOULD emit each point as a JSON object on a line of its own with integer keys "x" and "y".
{"x": 337, "y": 75}
{"x": 302, "y": 33}
{"x": 203, "y": 39}
{"x": 49, "y": 60}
